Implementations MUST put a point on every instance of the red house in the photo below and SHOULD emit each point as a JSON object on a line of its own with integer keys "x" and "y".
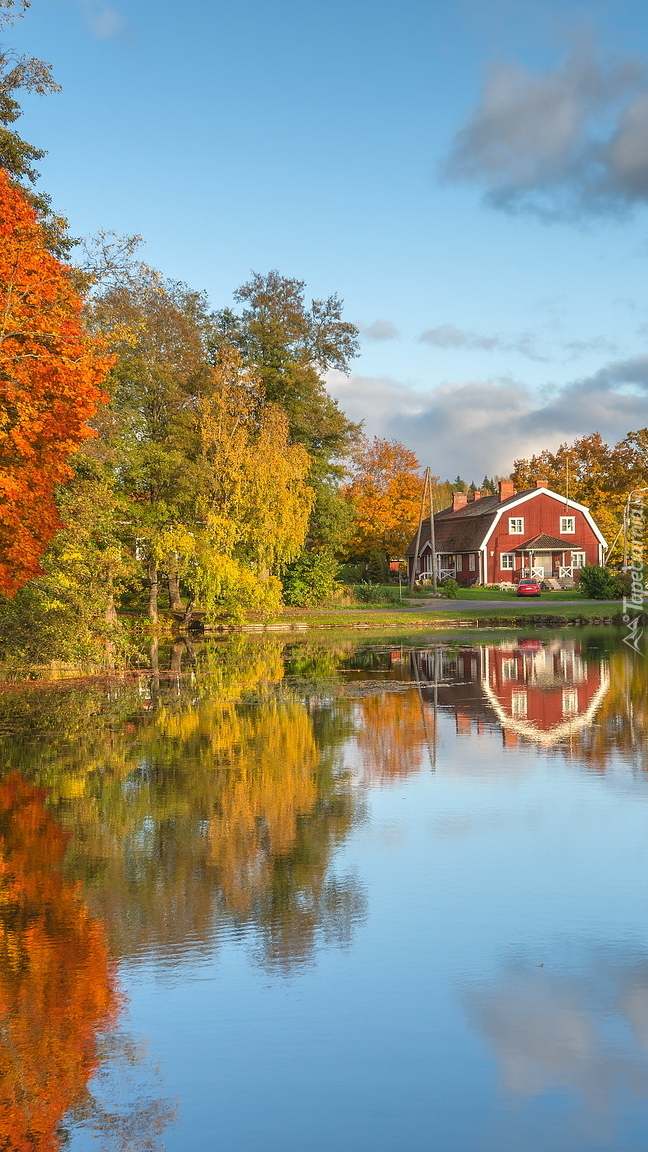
{"x": 487, "y": 539}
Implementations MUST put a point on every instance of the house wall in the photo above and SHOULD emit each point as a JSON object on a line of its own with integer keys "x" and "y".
{"x": 540, "y": 513}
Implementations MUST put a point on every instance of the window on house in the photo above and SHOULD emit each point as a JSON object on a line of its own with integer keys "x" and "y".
{"x": 458, "y": 564}
{"x": 519, "y": 704}
{"x": 578, "y": 559}
{"x": 509, "y": 669}
{"x": 471, "y": 562}
{"x": 507, "y": 560}
{"x": 570, "y": 701}
{"x": 567, "y": 524}
{"x": 516, "y": 525}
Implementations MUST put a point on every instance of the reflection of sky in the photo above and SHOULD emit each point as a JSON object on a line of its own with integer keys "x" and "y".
{"x": 585, "y": 1031}
{"x": 494, "y": 998}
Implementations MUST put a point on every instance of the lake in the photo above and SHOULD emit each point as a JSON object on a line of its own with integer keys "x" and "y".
{"x": 280, "y": 896}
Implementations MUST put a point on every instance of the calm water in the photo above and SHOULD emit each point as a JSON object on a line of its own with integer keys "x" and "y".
{"x": 304, "y": 898}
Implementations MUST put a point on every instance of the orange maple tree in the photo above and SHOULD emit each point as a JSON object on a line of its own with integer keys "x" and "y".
{"x": 57, "y": 986}
{"x": 51, "y": 372}
{"x": 385, "y": 490}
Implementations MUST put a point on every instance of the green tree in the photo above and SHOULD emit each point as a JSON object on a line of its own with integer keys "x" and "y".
{"x": 291, "y": 345}
{"x": 217, "y": 495}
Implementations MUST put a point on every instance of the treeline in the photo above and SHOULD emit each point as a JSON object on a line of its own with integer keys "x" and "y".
{"x": 593, "y": 473}
{"x": 213, "y": 465}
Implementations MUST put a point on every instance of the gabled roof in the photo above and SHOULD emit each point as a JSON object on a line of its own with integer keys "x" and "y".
{"x": 543, "y": 542}
{"x": 467, "y": 529}
{"x": 455, "y": 534}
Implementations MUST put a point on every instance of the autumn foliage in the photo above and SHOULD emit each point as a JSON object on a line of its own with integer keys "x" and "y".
{"x": 56, "y": 984}
{"x": 51, "y": 374}
{"x": 385, "y": 491}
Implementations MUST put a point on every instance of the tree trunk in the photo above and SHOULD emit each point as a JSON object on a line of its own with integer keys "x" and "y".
{"x": 155, "y": 670}
{"x": 110, "y": 614}
{"x": 177, "y": 652}
{"x": 188, "y": 614}
{"x": 175, "y": 600}
{"x": 153, "y": 593}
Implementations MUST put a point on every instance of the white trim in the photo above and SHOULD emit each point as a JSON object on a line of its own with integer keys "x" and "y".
{"x": 528, "y": 728}
{"x": 555, "y": 496}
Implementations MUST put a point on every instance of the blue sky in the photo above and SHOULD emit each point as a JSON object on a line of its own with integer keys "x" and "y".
{"x": 471, "y": 176}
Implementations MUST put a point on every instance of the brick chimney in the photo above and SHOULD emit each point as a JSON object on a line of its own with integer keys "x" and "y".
{"x": 459, "y": 500}
{"x": 541, "y": 483}
{"x": 506, "y": 489}
{"x": 477, "y": 494}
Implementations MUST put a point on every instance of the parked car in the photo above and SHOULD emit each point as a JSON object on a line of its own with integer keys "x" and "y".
{"x": 529, "y": 588}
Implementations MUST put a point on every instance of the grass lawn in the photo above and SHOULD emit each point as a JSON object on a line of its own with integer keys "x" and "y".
{"x": 391, "y": 594}
{"x": 497, "y": 594}
{"x": 515, "y": 612}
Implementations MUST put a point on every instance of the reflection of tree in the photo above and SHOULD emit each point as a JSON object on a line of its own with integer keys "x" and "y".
{"x": 56, "y": 985}
{"x": 393, "y": 732}
{"x": 622, "y": 720}
{"x": 203, "y": 801}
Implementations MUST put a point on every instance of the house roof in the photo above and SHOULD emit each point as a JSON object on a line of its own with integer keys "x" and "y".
{"x": 466, "y": 529}
{"x": 543, "y": 543}
{"x": 463, "y": 530}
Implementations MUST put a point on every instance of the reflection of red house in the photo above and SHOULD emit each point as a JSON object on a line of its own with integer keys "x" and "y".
{"x": 543, "y": 693}
{"x": 493, "y": 538}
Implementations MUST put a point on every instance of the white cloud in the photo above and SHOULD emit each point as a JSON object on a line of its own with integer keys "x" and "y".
{"x": 481, "y": 426}
{"x": 379, "y": 330}
{"x": 447, "y": 336}
{"x": 566, "y": 143}
{"x": 102, "y": 19}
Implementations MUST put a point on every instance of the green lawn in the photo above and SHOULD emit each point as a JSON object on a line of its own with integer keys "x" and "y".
{"x": 379, "y": 616}
{"x": 391, "y": 595}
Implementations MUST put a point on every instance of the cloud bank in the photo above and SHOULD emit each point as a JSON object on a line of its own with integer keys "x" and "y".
{"x": 525, "y": 343}
{"x": 562, "y": 144}
{"x": 447, "y": 336}
{"x": 480, "y": 427}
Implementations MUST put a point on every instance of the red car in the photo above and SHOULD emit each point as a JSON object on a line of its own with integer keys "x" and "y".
{"x": 529, "y": 588}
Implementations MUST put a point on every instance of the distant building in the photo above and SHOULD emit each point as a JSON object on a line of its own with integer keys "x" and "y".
{"x": 488, "y": 539}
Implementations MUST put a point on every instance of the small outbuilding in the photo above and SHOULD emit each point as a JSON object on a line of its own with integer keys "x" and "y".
{"x": 489, "y": 539}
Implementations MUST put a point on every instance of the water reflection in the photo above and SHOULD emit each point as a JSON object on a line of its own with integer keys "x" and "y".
{"x": 540, "y": 691}
{"x": 57, "y": 986}
{"x": 585, "y": 1030}
{"x": 161, "y": 818}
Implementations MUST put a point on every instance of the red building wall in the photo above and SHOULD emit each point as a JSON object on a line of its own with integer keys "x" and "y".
{"x": 540, "y": 513}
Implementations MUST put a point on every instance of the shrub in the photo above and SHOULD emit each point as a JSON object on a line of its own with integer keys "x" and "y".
{"x": 598, "y": 583}
{"x": 450, "y": 588}
{"x": 623, "y": 584}
{"x": 377, "y": 567}
{"x": 310, "y": 579}
{"x": 368, "y": 593}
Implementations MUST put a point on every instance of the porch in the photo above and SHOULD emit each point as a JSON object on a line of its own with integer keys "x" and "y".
{"x": 545, "y": 557}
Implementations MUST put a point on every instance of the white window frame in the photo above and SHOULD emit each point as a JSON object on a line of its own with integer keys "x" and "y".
{"x": 519, "y": 704}
{"x": 565, "y": 522}
{"x": 513, "y": 531}
{"x": 471, "y": 562}
{"x": 458, "y": 563}
{"x": 570, "y": 701}
{"x": 504, "y": 561}
{"x": 578, "y": 559}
